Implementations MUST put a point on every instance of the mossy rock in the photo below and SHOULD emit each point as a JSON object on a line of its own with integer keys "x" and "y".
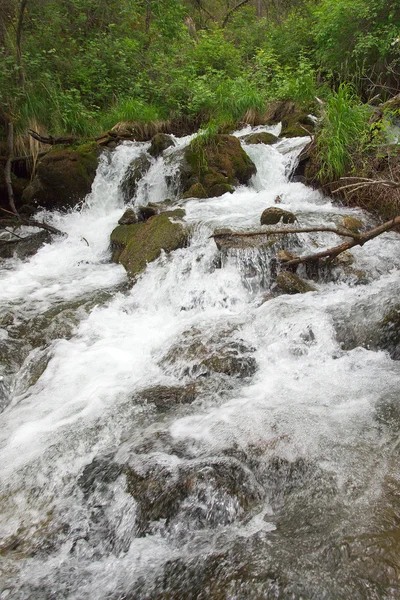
{"x": 159, "y": 143}
{"x": 263, "y": 137}
{"x": 219, "y": 189}
{"x": 352, "y": 223}
{"x": 63, "y": 177}
{"x": 290, "y": 283}
{"x": 296, "y": 125}
{"x": 273, "y": 215}
{"x": 128, "y": 218}
{"x": 222, "y": 161}
{"x": 134, "y": 246}
{"x": 134, "y": 173}
{"x": 195, "y": 191}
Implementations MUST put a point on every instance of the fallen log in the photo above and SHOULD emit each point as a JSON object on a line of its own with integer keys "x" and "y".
{"x": 52, "y": 141}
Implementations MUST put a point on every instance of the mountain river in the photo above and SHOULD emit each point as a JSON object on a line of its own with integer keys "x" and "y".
{"x": 195, "y": 435}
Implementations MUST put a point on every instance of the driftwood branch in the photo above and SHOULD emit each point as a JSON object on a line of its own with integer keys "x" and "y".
{"x": 53, "y": 141}
{"x": 331, "y": 253}
{"x": 357, "y": 239}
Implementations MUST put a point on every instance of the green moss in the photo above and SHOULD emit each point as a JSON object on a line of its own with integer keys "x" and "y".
{"x": 134, "y": 246}
{"x": 195, "y": 191}
{"x": 219, "y": 189}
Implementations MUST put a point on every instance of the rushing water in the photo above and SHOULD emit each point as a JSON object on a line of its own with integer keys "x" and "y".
{"x": 270, "y": 469}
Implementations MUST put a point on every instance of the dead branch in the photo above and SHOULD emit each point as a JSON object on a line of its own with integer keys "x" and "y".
{"x": 53, "y": 141}
{"x": 232, "y": 10}
{"x": 357, "y": 239}
{"x": 331, "y": 253}
{"x": 7, "y": 171}
{"x": 362, "y": 182}
{"x": 342, "y": 232}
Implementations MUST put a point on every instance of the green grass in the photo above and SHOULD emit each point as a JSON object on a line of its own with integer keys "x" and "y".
{"x": 344, "y": 131}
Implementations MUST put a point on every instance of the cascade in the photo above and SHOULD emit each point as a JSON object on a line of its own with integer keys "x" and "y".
{"x": 194, "y": 436}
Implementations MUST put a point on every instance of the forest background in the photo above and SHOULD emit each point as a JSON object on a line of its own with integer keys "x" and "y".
{"x": 78, "y": 67}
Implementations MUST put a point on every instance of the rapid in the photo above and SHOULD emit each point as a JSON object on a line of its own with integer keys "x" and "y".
{"x": 272, "y": 471}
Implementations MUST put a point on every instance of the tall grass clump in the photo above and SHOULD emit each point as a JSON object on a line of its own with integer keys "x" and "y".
{"x": 343, "y": 134}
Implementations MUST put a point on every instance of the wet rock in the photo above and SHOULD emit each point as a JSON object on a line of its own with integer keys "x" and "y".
{"x": 352, "y": 224}
{"x": 100, "y": 472}
{"x": 159, "y": 143}
{"x": 273, "y": 215}
{"x": 389, "y": 333}
{"x": 145, "y": 212}
{"x": 206, "y": 492}
{"x": 128, "y": 218}
{"x": 134, "y": 173}
{"x": 165, "y": 397}
{"x": 220, "y": 163}
{"x": 299, "y": 172}
{"x": 262, "y": 137}
{"x": 25, "y": 247}
{"x": 198, "y": 356}
{"x": 285, "y": 255}
{"x": 290, "y": 283}
{"x": 195, "y": 191}
{"x": 134, "y": 246}
{"x": 63, "y": 177}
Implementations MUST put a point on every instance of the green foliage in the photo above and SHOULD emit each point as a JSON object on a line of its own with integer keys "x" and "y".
{"x": 344, "y": 132}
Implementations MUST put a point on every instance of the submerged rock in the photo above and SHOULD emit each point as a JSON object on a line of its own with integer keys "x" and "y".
{"x": 159, "y": 143}
{"x": 290, "y": 283}
{"x": 262, "y": 137}
{"x": 134, "y": 246}
{"x": 198, "y": 356}
{"x": 214, "y": 168}
{"x": 352, "y": 223}
{"x": 206, "y": 492}
{"x": 134, "y": 173}
{"x": 63, "y": 177}
{"x": 168, "y": 396}
{"x": 273, "y": 214}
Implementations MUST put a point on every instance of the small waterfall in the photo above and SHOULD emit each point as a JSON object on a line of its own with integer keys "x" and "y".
{"x": 193, "y": 436}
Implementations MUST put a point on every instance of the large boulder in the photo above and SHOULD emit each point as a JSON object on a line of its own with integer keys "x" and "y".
{"x": 212, "y": 169}
{"x": 63, "y": 177}
{"x": 134, "y": 246}
{"x": 134, "y": 173}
